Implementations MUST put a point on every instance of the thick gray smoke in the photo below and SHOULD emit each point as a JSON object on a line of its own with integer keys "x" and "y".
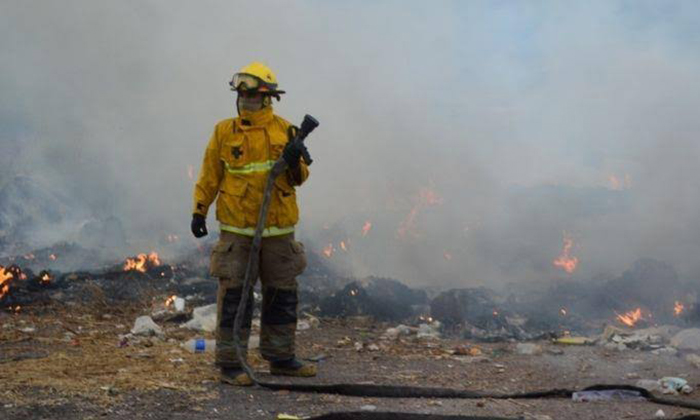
{"x": 471, "y": 136}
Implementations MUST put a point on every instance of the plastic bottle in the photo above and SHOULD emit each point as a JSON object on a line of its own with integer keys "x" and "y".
{"x": 199, "y": 345}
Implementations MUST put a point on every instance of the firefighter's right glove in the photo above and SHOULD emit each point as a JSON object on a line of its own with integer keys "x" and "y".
{"x": 293, "y": 151}
{"x": 199, "y": 225}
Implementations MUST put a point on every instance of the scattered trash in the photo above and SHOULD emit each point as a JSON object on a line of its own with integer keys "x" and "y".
{"x": 574, "y": 341}
{"x": 179, "y": 304}
{"x": 671, "y": 351}
{"x": 368, "y": 407}
{"x": 429, "y": 330}
{"x": 607, "y": 395}
{"x": 303, "y": 325}
{"x": 317, "y": 358}
{"x": 373, "y": 347}
{"x": 676, "y": 384}
{"x": 394, "y": 333}
{"x": 145, "y": 326}
{"x": 203, "y": 319}
{"x": 650, "y": 385}
{"x": 199, "y": 345}
{"x": 528, "y": 348}
{"x": 659, "y": 414}
{"x": 287, "y": 417}
{"x": 359, "y": 346}
{"x": 254, "y": 341}
{"x": 666, "y": 385}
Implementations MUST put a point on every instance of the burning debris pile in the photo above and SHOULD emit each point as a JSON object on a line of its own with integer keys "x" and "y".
{"x": 383, "y": 299}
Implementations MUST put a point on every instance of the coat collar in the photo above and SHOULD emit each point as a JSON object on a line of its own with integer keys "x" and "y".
{"x": 248, "y": 120}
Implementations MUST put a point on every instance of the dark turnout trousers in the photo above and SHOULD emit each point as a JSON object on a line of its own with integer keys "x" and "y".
{"x": 281, "y": 260}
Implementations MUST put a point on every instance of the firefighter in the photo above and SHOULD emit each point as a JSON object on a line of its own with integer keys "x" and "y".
{"x": 236, "y": 164}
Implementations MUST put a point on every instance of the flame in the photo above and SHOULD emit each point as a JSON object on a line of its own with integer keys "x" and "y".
{"x": 328, "y": 250}
{"x": 52, "y": 257}
{"x": 619, "y": 184}
{"x": 425, "y": 198}
{"x": 190, "y": 172}
{"x": 17, "y": 308}
{"x": 678, "y": 308}
{"x": 169, "y": 301}
{"x": 495, "y": 313}
{"x": 45, "y": 279}
{"x": 366, "y": 228}
{"x": 565, "y": 261}
{"x": 630, "y": 318}
{"x": 5, "y": 277}
{"x": 140, "y": 262}
{"x": 343, "y": 246}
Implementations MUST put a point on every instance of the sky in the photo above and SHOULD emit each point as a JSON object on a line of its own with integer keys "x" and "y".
{"x": 473, "y": 136}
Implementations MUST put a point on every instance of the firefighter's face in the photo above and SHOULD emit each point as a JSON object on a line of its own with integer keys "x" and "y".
{"x": 250, "y": 101}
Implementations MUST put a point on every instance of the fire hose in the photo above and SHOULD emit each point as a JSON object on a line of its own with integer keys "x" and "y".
{"x": 368, "y": 390}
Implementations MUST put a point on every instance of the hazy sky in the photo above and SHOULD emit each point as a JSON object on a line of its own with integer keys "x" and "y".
{"x": 109, "y": 102}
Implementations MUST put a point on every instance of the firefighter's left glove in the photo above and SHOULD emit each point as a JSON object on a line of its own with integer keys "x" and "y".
{"x": 199, "y": 225}
{"x": 293, "y": 151}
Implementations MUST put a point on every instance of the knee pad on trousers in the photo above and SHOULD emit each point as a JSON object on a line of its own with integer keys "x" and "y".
{"x": 232, "y": 298}
{"x": 279, "y": 306}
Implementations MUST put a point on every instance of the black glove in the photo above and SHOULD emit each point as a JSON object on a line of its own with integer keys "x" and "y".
{"x": 293, "y": 151}
{"x": 199, "y": 225}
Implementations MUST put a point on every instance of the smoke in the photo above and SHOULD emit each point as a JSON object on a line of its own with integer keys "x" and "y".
{"x": 513, "y": 115}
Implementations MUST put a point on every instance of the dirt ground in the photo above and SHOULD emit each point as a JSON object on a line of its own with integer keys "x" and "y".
{"x": 68, "y": 362}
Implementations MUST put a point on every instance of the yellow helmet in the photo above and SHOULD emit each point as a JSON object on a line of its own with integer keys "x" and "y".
{"x": 256, "y": 77}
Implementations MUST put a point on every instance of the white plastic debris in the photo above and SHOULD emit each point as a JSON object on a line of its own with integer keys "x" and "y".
{"x": 179, "y": 304}
{"x": 659, "y": 414}
{"x": 429, "y": 330}
{"x": 203, "y": 319}
{"x": 528, "y": 348}
{"x": 145, "y": 326}
{"x": 303, "y": 325}
{"x": 368, "y": 407}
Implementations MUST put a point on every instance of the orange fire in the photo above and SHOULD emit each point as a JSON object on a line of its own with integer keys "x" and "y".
{"x": 328, "y": 250}
{"x": 425, "y": 198}
{"x": 343, "y": 246}
{"x": 565, "y": 261}
{"x": 366, "y": 228}
{"x": 630, "y": 318}
{"x": 169, "y": 301}
{"x": 619, "y": 184}
{"x": 45, "y": 279}
{"x": 5, "y": 277}
{"x": 140, "y": 262}
{"x": 678, "y": 308}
